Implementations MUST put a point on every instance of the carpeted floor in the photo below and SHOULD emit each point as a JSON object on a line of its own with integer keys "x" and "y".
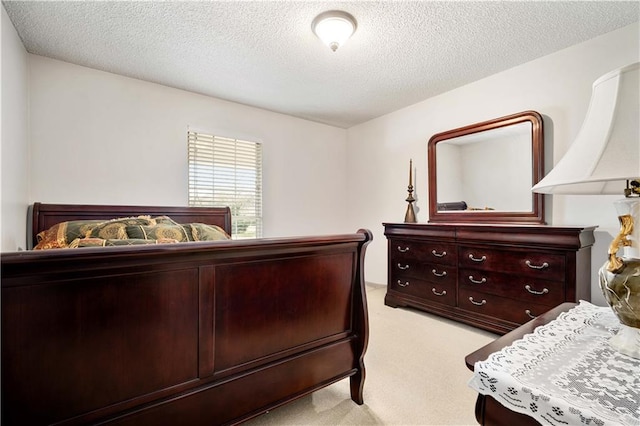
{"x": 416, "y": 375}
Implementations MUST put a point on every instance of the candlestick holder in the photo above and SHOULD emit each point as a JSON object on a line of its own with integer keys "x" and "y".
{"x": 410, "y": 215}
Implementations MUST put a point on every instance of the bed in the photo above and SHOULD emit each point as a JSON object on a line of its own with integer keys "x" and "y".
{"x": 209, "y": 332}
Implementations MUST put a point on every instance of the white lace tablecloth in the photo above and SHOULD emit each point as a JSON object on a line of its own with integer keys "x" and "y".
{"x": 565, "y": 372}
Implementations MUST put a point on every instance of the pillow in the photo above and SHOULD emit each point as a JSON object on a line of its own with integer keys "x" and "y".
{"x": 62, "y": 234}
{"x": 99, "y": 242}
{"x": 175, "y": 232}
{"x": 164, "y": 220}
{"x": 117, "y": 228}
{"x": 204, "y": 232}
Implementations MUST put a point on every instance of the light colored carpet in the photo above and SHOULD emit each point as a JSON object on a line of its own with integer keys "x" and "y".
{"x": 415, "y": 375}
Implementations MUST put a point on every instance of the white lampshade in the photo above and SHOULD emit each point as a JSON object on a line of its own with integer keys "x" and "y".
{"x": 334, "y": 28}
{"x": 606, "y": 152}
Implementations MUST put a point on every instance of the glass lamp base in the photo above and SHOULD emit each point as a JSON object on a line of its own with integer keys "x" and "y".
{"x": 627, "y": 341}
{"x": 620, "y": 277}
{"x": 621, "y": 289}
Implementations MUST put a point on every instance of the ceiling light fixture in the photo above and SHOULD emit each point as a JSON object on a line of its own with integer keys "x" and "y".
{"x": 334, "y": 27}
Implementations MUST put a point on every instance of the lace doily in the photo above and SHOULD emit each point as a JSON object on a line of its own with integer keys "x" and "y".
{"x": 565, "y": 372}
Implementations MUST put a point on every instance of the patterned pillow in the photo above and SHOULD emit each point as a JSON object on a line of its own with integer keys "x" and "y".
{"x": 99, "y": 242}
{"x": 204, "y": 232}
{"x": 117, "y": 228}
{"x": 62, "y": 234}
{"x": 164, "y": 220}
{"x": 175, "y": 232}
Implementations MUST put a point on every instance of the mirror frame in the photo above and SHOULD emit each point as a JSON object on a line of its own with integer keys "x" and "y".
{"x": 535, "y": 216}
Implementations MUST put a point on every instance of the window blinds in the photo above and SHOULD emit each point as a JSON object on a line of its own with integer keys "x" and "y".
{"x": 227, "y": 172}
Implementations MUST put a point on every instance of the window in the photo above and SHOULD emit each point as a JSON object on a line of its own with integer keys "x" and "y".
{"x": 227, "y": 172}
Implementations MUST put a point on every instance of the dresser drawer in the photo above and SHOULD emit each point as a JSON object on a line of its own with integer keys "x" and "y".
{"x": 439, "y": 274}
{"x": 499, "y": 307}
{"x": 513, "y": 286}
{"x": 427, "y": 252}
{"x": 538, "y": 265}
{"x": 441, "y": 293}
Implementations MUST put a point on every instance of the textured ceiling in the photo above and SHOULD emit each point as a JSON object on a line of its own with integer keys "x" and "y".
{"x": 263, "y": 53}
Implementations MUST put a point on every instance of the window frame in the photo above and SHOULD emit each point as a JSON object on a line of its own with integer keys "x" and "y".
{"x": 230, "y": 175}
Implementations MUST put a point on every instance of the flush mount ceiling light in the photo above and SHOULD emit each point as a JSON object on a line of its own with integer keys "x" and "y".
{"x": 334, "y": 27}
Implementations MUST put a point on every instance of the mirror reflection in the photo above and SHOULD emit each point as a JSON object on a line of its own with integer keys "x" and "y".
{"x": 484, "y": 172}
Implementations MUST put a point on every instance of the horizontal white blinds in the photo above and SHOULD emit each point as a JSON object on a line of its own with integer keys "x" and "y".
{"x": 227, "y": 172}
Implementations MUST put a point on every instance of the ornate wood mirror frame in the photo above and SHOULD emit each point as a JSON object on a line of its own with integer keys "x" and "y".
{"x": 487, "y": 171}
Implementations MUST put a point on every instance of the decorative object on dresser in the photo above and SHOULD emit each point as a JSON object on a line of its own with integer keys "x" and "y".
{"x": 410, "y": 215}
{"x": 605, "y": 159}
{"x": 484, "y": 172}
{"x": 493, "y": 276}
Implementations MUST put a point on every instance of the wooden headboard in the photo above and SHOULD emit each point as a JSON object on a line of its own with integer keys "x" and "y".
{"x": 43, "y": 216}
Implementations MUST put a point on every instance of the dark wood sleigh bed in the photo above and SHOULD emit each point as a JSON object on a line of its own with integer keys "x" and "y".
{"x": 190, "y": 333}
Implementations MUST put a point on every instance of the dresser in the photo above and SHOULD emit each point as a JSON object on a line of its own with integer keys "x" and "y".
{"x": 495, "y": 277}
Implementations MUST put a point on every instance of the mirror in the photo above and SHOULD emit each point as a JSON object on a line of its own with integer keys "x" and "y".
{"x": 484, "y": 172}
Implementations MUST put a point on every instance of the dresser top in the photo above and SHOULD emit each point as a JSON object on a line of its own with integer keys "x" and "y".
{"x": 505, "y": 227}
{"x": 570, "y": 237}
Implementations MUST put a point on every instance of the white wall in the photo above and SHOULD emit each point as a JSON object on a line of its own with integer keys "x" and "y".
{"x": 100, "y": 138}
{"x": 558, "y": 86}
{"x": 14, "y": 193}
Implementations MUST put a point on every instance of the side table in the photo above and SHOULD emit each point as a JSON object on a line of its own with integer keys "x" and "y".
{"x": 558, "y": 369}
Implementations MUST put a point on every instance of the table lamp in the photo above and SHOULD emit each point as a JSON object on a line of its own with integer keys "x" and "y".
{"x": 605, "y": 159}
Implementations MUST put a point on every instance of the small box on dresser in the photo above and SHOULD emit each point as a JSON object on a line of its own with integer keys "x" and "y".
{"x": 492, "y": 276}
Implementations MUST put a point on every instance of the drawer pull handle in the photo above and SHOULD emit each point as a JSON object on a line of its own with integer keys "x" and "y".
{"x": 543, "y": 266}
{"x": 484, "y": 302}
{"x": 433, "y": 290}
{"x": 528, "y": 312}
{"x": 436, "y": 254}
{"x": 530, "y": 290}
{"x": 404, "y": 250}
{"x": 478, "y": 259}
{"x": 482, "y": 281}
{"x": 439, "y": 274}
{"x": 401, "y": 284}
{"x": 405, "y": 267}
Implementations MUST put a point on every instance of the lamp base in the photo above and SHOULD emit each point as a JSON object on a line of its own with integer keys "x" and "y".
{"x": 620, "y": 278}
{"x": 621, "y": 289}
{"x": 627, "y": 341}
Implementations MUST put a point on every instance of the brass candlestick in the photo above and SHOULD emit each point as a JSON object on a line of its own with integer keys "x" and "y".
{"x": 410, "y": 215}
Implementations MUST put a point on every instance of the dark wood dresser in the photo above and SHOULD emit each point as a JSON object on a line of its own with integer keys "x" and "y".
{"x": 496, "y": 277}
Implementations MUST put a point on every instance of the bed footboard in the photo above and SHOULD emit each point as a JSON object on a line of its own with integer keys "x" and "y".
{"x": 198, "y": 333}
